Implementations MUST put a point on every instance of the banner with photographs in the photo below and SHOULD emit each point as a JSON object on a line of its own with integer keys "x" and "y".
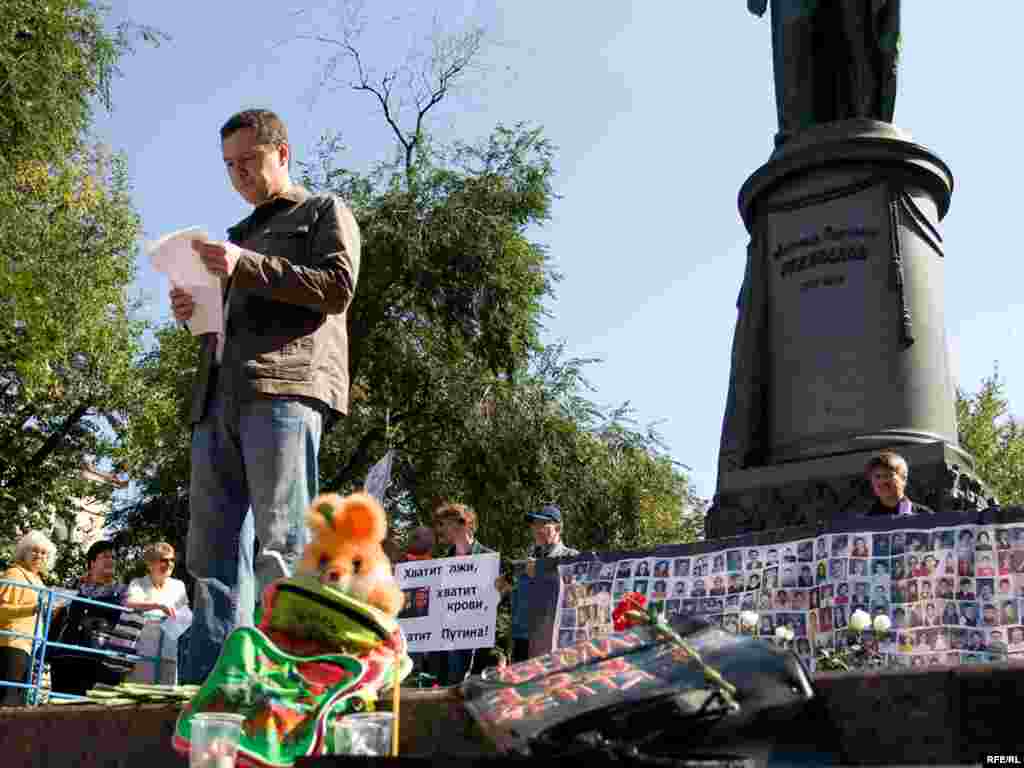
{"x": 450, "y": 602}
{"x": 953, "y": 594}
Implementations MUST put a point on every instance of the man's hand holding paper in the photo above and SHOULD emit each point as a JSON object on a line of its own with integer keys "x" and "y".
{"x": 196, "y": 290}
{"x": 219, "y": 258}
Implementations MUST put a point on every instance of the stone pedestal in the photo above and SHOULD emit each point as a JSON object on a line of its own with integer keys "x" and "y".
{"x": 840, "y": 345}
{"x": 819, "y": 490}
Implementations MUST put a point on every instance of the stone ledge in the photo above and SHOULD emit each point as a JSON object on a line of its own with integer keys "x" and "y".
{"x": 953, "y": 716}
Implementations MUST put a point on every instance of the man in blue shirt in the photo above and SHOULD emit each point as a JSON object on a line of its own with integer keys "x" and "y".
{"x": 546, "y": 526}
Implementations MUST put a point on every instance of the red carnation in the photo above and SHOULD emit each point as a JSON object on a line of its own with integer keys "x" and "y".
{"x": 631, "y": 601}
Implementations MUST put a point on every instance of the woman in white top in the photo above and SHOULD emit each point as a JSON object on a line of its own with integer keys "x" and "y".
{"x": 160, "y": 635}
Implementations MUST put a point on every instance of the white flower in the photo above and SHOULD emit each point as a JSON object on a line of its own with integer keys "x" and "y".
{"x": 860, "y": 620}
{"x": 882, "y": 623}
{"x": 783, "y": 633}
{"x": 749, "y": 619}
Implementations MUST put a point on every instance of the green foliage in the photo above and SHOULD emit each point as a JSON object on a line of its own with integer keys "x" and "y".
{"x": 540, "y": 439}
{"x": 994, "y": 437}
{"x": 156, "y": 448}
{"x": 68, "y": 337}
{"x": 56, "y": 60}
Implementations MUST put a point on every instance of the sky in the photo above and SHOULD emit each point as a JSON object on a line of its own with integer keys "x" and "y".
{"x": 659, "y": 111}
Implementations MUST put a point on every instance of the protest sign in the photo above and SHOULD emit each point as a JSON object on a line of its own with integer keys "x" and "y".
{"x": 953, "y": 594}
{"x": 450, "y": 603}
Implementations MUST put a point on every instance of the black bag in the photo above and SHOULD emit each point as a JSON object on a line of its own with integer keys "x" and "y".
{"x": 637, "y": 696}
{"x": 99, "y": 628}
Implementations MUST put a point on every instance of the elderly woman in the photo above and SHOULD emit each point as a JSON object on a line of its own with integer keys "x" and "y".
{"x": 160, "y": 589}
{"x": 33, "y": 557}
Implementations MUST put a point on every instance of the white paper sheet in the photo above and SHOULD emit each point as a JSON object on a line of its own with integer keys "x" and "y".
{"x": 457, "y": 606}
{"x": 172, "y": 255}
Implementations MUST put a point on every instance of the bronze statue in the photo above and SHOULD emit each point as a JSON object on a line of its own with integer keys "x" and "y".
{"x": 833, "y": 60}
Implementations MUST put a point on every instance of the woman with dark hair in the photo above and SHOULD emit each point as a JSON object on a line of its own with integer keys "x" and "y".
{"x": 115, "y": 629}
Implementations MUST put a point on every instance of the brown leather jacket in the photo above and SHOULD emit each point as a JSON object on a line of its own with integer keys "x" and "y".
{"x": 286, "y": 304}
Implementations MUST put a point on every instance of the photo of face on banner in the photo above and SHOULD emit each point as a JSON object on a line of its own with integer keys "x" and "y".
{"x": 825, "y": 620}
{"x": 860, "y": 547}
{"x": 985, "y": 589}
{"x": 821, "y": 572}
{"x": 805, "y": 578}
{"x": 771, "y": 578}
{"x": 858, "y": 568}
{"x": 827, "y": 592}
{"x": 840, "y": 545}
{"x": 1003, "y": 562}
{"x": 681, "y": 567}
{"x": 842, "y": 596}
{"x": 788, "y": 576}
{"x": 821, "y": 548}
{"x": 965, "y": 541}
{"x": 836, "y": 569}
{"x": 880, "y": 545}
{"x": 1004, "y": 587}
{"x": 899, "y": 568}
{"x": 944, "y": 539}
{"x": 417, "y": 603}
{"x": 984, "y": 567}
{"x": 983, "y": 541}
{"x": 839, "y": 617}
{"x": 899, "y": 543}
{"x": 805, "y": 551}
{"x": 880, "y": 569}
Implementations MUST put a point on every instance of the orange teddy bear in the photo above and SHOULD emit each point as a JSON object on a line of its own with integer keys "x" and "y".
{"x": 346, "y": 550}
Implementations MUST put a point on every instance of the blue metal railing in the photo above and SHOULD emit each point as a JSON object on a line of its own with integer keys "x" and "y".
{"x": 41, "y": 642}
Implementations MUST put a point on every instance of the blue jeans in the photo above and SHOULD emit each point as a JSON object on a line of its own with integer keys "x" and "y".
{"x": 254, "y": 473}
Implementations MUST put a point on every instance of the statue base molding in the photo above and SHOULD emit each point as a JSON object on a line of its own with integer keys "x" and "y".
{"x": 820, "y": 490}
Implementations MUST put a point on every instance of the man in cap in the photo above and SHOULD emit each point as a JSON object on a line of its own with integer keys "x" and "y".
{"x": 546, "y": 527}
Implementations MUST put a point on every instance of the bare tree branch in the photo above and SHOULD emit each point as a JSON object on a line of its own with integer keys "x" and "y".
{"x": 425, "y": 80}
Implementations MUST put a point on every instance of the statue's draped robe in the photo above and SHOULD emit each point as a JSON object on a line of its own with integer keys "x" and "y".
{"x": 833, "y": 60}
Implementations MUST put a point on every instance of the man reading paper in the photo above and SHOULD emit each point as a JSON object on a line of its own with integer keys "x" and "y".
{"x": 266, "y": 385}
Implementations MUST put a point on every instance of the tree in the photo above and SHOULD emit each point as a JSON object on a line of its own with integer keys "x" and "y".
{"x": 68, "y": 337}
{"x": 56, "y": 61}
{"x": 541, "y": 439}
{"x": 990, "y": 433}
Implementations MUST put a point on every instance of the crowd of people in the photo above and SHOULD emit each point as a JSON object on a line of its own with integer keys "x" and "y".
{"x": 144, "y": 617}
